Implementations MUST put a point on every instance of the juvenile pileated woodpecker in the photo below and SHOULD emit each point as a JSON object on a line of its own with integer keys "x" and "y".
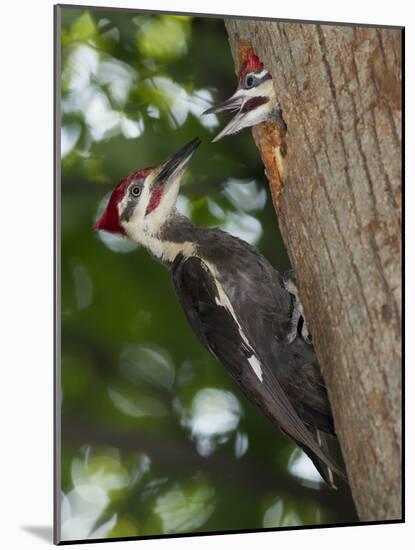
{"x": 235, "y": 301}
{"x": 254, "y": 99}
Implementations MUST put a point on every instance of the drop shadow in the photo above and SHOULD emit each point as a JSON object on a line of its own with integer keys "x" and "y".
{"x": 40, "y": 531}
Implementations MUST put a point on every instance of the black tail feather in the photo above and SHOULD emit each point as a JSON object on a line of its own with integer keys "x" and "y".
{"x": 325, "y": 471}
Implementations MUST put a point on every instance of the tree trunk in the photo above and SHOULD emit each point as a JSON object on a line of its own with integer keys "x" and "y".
{"x": 335, "y": 178}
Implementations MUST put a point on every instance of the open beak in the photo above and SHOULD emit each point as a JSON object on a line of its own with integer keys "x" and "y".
{"x": 233, "y": 127}
{"x": 175, "y": 164}
{"x": 234, "y": 103}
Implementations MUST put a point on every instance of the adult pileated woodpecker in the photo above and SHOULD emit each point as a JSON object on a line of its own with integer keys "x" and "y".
{"x": 235, "y": 301}
{"x": 254, "y": 99}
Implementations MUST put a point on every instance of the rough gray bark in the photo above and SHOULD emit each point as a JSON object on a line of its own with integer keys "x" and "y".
{"x": 335, "y": 178}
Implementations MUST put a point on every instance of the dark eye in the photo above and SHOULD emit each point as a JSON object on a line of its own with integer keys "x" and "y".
{"x": 135, "y": 190}
{"x": 249, "y": 81}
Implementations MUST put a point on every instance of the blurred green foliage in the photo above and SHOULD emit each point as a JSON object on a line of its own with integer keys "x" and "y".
{"x": 155, "y": 436}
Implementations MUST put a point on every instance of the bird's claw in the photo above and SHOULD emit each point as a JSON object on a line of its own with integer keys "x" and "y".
{"x": 298, "y": 311}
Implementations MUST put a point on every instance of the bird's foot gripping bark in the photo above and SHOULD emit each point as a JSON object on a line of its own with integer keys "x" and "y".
{"x": 298, "y": 322}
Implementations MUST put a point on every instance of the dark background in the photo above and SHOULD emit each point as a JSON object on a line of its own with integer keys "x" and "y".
{"x": 155, "y": 436}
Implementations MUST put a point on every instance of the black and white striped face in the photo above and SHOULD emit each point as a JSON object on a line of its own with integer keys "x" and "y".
{"x": 141, "y": 202}
{"x": 254, "y": 100}
{"x": 145, "y": 207}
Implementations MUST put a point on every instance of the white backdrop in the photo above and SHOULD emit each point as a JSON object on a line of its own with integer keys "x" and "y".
{"x": 26, "y": 301}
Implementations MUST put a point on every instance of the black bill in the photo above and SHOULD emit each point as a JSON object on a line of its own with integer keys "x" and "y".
{"x": 175, "y": 163}
{"x": 234, "y": 103}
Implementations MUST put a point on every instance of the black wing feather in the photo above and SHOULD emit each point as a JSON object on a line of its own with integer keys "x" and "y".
{"x": 220, "y": 333}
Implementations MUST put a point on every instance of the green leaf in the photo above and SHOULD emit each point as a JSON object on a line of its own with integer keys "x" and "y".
{"x": 83, "y": 29}
{"x": 164, "y": 38}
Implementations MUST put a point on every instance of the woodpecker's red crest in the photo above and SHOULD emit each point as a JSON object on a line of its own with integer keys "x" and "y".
{"x": 110, "y": 218}
{"x": 251, "y": 64}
